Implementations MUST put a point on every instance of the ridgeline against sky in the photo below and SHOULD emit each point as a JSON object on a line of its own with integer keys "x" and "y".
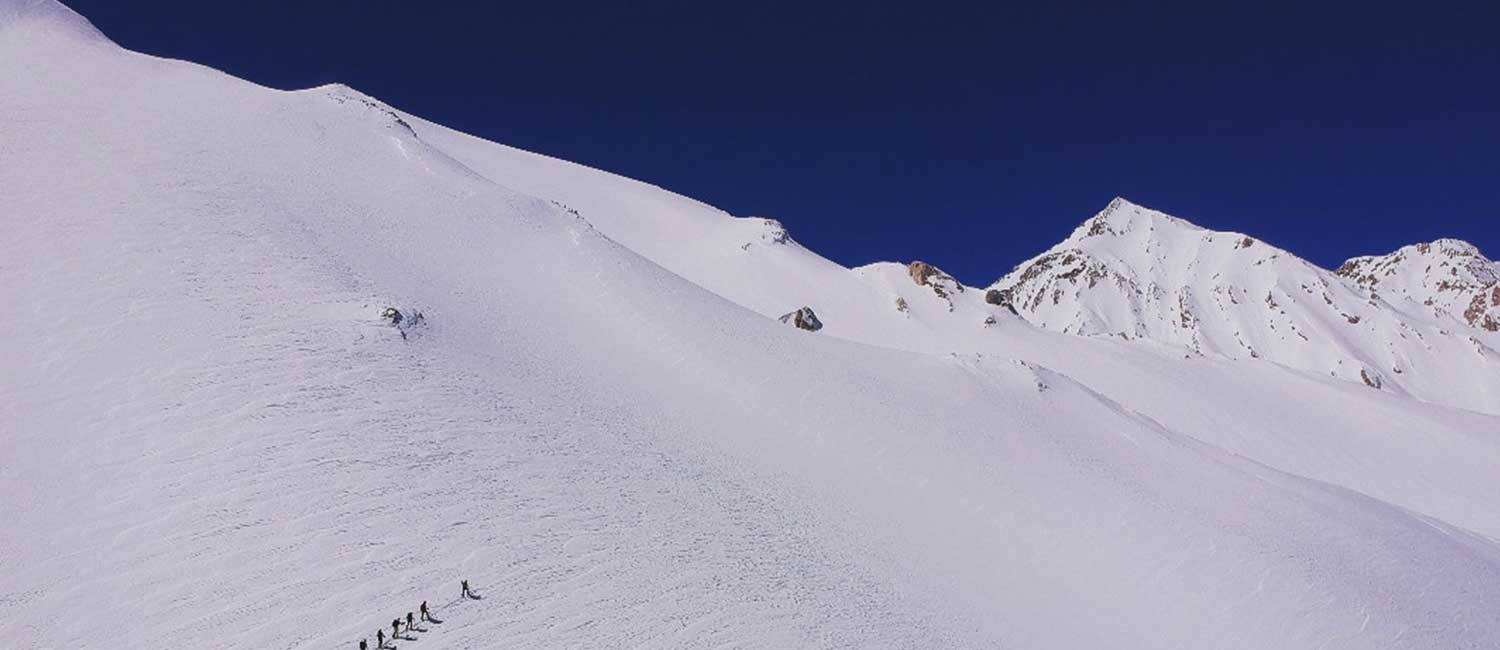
{"x": 967, "y": 134}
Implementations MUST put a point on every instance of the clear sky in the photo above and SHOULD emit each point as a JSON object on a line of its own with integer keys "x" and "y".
{"x": 971, "y": 135}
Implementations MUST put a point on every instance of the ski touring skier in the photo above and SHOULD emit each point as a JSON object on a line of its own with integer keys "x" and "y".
{"x": 425, "y": 615}
{"x": 408, "y": 620}
{"x": 380, "y": 638}
{"x": 466, "y": 593}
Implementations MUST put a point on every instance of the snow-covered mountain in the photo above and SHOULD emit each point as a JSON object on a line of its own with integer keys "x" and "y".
{"x": 1137, "y": 273}
{"x": 1447, "y": 277}
{"x": 215, "y": 432}
{"x": 1257, "y": 301}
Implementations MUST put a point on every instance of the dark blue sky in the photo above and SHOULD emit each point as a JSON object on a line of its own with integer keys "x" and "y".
{"x": 966, "y": 134}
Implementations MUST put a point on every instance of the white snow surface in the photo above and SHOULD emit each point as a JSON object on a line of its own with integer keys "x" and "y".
{"x": 210, "y": 438}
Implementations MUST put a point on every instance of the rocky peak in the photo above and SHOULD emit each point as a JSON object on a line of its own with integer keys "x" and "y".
{"x": 1449, "y": 277}
{"x": 1134, "y": 273}
{"x": 1450, "y": 259}
{"x": 1121, "y": 218}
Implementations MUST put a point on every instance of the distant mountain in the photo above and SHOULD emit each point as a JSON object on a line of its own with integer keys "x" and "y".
{"x": 1446, "y": 278}
{"x": 1135, "y": 273}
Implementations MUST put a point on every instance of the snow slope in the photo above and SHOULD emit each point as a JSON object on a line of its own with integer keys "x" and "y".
{"x": 209, "y": 438}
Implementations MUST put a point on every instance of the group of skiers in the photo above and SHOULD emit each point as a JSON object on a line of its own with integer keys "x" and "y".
{"x": 410, "y": 622}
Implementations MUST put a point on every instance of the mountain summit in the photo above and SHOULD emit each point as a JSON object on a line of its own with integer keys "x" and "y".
{"x": 1447, "y": 278}
{"x": 1136, "y": 273}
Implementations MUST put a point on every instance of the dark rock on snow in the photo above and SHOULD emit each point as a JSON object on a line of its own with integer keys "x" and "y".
{"x": 803, "y": 319}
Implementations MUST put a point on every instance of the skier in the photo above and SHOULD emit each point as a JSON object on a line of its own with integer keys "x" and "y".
{"x": 425, "y": 616}
{"x": 395, "y": 628}
{"x": 380, "y": 638}
{"x": 466, "y": 590}
{"x": 363, "y": 645}
{"x": 408, "y": 620}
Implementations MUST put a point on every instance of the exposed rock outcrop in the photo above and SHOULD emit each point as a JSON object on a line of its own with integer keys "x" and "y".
{"x": 1484, "y": 309}
{"x": 1000, "y": 297}
{"x": 920, "y": 271}
{"x": 803, "y": 319}
{"x": 775, "y": 232}
{"x": 942, "y": 284}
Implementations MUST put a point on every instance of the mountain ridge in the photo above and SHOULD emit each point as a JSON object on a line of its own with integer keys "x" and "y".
{"x": 757, "y": 264}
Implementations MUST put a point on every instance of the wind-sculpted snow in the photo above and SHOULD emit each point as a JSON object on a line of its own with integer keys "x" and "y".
{"x": 210, "y": 435}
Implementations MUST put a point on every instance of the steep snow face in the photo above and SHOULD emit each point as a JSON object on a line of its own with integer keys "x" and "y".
{"x": 1446, "y": 278}
{"x": 1136, "y": 273}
